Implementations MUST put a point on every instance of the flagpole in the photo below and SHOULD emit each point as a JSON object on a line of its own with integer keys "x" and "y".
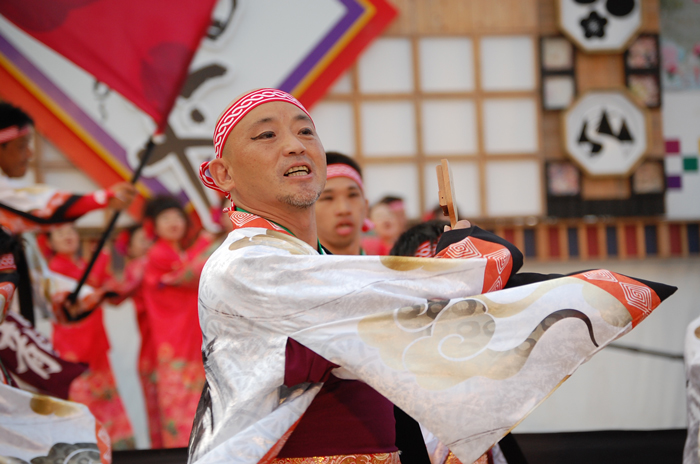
{"x": 73, "y": 297}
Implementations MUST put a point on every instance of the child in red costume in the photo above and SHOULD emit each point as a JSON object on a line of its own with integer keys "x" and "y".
{"x": 170, "y": 294}
{"x": 86, "y": 341}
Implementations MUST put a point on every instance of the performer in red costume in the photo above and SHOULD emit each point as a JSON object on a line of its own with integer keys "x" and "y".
{"x": 134, "y": 244}
{"x": 86, "y": 341}
{"x": 26, "y": 207}
{"x": 170, "y": 294}
{"x": 389, "y": 219}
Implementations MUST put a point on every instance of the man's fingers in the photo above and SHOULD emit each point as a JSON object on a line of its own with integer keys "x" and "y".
{"x": 463, "y": 224}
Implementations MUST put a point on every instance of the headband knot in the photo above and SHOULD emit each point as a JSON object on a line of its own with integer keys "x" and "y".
{"x": 233, "y": 115}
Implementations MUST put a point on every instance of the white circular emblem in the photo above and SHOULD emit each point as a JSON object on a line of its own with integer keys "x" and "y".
{"x": 605, "y": 133}
{"x": 600, "y": 25}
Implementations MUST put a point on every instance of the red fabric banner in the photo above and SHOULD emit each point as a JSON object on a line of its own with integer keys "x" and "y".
{"x": 141, "y": 49}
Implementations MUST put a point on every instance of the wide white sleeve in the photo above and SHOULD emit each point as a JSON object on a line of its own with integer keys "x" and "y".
{"x": 268, "y": 283}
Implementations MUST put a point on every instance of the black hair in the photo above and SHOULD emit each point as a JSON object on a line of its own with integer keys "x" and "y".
{"x": 131, "y": 230}
{"x": 14, "y": 244}
{"x": 10, "y": 115}
{"x": 409, "y": 241}
{"x": 333, "y": 157}
{"x": 388, "y": 199}
{"x": 155, "y": 206}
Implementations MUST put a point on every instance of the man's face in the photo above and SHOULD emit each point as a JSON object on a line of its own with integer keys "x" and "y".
{"x": 340, "y": 211}
{"x": 15, "y": 155}
{"x": 275, "y": 158}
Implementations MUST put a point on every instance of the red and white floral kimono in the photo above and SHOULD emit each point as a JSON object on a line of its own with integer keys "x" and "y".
{"x": 170, "y": 297}
{"x": 86, "y": 341}
{"x": 440, "y": 338}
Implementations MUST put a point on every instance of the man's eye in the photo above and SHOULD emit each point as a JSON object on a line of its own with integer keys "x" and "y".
{"x": 354, "y": 194}
{"x": 264, "y": 135}
{"x": 306, "y": 131}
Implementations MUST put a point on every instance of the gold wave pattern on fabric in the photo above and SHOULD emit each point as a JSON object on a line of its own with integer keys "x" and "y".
{"x": 405, "y": 263}
{"x": 445, "y": 345}
{"x": 609, "y": 307}
{"x": 275, "y": 239}
{"x": 45, "y": 405}
{"x": 379, "y": 458}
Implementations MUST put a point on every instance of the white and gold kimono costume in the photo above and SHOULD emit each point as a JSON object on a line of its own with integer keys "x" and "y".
{"x": 468, "y": 366}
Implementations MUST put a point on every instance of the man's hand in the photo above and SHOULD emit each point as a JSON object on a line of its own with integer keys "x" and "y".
{"x": 124, "y": 194}
{"x": 461, "y": 224}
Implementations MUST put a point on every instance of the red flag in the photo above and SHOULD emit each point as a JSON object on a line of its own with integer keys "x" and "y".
{"x": 140, "y": 48}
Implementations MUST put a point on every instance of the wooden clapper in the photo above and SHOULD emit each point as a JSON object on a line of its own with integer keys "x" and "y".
{"x": 446, "y": 191}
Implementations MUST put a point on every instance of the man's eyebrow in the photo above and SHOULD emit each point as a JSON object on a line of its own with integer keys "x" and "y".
{"x": 262, "y": 121}
{"x": 302, "y": 117}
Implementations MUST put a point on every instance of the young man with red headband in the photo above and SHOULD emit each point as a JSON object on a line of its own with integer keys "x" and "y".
{"x": 285, "y": 330}
{"x": 341, "y": 210}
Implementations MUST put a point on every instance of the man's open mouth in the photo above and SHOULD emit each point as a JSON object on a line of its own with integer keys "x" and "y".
{"x": 344, "y": 228}
{"x": 297, "y": 171}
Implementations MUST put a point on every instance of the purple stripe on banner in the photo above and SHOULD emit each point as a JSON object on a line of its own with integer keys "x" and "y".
{"x": 73, "y": 110}
{"x": 354, "y": 11}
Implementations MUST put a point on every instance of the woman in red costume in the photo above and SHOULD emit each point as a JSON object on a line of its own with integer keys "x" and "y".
{"x": 170, "y": 294}
{"x": 86, "y": 341}
{"x": 134, "y": 244}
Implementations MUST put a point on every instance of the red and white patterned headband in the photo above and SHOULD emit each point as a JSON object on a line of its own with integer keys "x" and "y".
{"x": 13, "y": 132}
{"x": 344, "y": 170}
{"x": 233, "y": 115}
{"x": 426, "y": 249}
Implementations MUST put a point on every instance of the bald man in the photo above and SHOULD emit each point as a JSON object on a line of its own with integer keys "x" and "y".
{"x": 271, "y": 164}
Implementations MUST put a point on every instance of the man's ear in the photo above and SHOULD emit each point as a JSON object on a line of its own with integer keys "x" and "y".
{"x": 219, "y": 170}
